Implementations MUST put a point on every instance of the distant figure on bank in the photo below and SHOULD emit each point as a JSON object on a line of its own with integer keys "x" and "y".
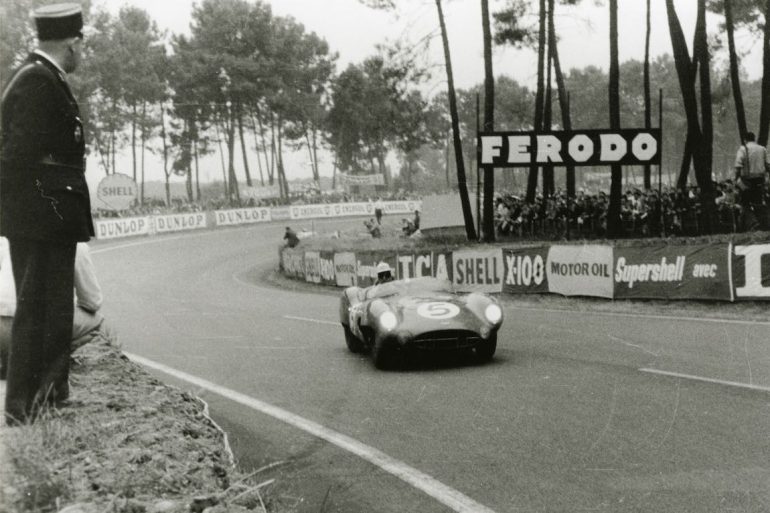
{"x": 87, "y": 320}
{"x": 291, "y": 238}
{"x": 407, "y": 227}
{"x": 384, "y": 273}
{"x": 378, "y": 210}
{"x": 752, "y": 171}
{"x": 373, "y": 228}
{"x": 416, "y": 221}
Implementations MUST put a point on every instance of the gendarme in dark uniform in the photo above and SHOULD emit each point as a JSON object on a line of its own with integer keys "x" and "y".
{"x": 44, "y": 210}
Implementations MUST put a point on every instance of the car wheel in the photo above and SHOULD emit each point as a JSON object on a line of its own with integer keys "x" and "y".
{"x": 486, "y": 349}
{"x": 354, "y": 345}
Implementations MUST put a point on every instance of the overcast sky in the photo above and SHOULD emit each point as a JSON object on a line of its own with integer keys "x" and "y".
{"x": 353, "y": 30}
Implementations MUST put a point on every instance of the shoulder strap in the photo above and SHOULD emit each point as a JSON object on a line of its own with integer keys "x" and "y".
{"x": 21, "y": 71}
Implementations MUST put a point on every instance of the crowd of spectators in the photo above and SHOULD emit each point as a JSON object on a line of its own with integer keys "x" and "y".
{"x": 643, "y": 213}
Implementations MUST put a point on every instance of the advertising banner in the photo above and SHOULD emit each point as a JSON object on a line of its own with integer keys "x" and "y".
{"x": 260, "y": 192}
{"x": 580, "y": 270}
{"x": 345, "y": 269}
{"x": 280, "y": 213}
{"x": 116, "y": 192}
{"x": 672, "y": 272}
{"x": 366, "y": 265}
{"x": 435, "y": 264}
{"x": 353, "y": 209}
{"x": 326, "y": 268}
{"x": 478, "y": 271}
{"x": 376, "y": 179}
{"x": 524, "y": 270}
{"x": 401, "y": 207}
{"x": 179, "y": 222}
{"x": 241, "y": 216}
{"x": 628, "y": 147}
{"x": 121, "y": 227}
{"x": 313, "y": 266}
{"x": 751, "y": 271}
{"x": 293, "y": 263}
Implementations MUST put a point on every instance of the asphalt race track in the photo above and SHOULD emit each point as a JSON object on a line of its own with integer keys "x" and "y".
{"x": 577, "y": 412}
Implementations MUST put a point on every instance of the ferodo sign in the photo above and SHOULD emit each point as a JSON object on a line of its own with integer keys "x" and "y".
{"x": 672, "y": 272}
{"x": 580, "y": 270}
{"x": 575, "y": 148}
{"x": 524, "y": 270}
{"x": 751, "y": 271}
{"x": 479, "y": 271}
{"x": 116, "y": 192}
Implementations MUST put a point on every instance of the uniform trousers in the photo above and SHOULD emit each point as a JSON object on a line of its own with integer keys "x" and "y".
{"x": 39, "y": 357}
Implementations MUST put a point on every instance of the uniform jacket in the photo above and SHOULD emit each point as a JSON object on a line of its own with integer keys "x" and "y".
{"x": 43, "y": 190}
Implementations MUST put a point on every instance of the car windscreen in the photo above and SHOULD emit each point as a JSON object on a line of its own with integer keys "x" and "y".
{"x": 413, "y": 286}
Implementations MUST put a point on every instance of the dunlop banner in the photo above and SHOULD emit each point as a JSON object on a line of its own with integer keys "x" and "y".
{"x": 672, "y": 272}
{"x": 524, "y": 270}
{"x": 478, "y": 271}
{"x": 121, "y": 227}
{"x": 241, "y": 216}
{"x": 179, "y": 222}
{"x": 345, "y": 269}
{"x": 751, "y": 271}
{"x": 580, "y": 270}
{"x": 435, "y": 264}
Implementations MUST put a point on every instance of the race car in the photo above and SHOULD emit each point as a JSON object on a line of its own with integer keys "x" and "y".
{"x": 396, "y": 318}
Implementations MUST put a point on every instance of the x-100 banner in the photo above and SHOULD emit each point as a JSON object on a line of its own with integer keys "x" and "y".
{"x": 570, "y": 148}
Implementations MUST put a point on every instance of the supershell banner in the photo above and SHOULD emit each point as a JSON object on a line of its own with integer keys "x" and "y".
{"x": 524, "y": 270}
{"x": 751, "y": 271}
{"x": 580, "y": 270}
{"x": 672, "y": 272}
{"x": 435, "y": 264}
{"x": 478, "y": 270}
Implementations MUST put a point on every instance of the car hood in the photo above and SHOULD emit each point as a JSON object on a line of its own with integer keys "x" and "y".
{"x": 420, "y": 314}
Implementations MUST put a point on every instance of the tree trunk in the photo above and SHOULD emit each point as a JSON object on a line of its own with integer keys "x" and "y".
{"x": 222, "y": 161}
{"x": 539, "y": 100}
{"x": 470, "y": 230}
{"x": 614, "y": 226}
{"x": 703, "y": 155}
{"x": 488, "y": 226}
{"x": 197, "y": 170}
{"x": 549, "y": 184}
{"x": 734, "y": 75}
{"x": 256, "y": 149}
{"x": 764, "y": 112}
{"x": 564, "y": 101}
{"x": 143, "y": 140}
{"x": 133, "y": 139}
{"x": 647, "y": 94}
{"x": 684, "y": 167}
{"x": 165, "y": 154}
{"x": 233, "y": 194}
{"x": 239, "y": 116}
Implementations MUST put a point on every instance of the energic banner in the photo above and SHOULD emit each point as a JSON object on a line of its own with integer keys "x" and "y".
{"x": 580, "y": 270}
{"x": 525, "y": 270}
{"x": 673, "y": 272}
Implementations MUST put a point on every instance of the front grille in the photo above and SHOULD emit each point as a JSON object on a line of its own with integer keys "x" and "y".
{"x": 446, "y": 340}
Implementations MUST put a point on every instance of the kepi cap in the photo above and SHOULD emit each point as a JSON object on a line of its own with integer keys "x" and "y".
{"x": 59, "y": 21}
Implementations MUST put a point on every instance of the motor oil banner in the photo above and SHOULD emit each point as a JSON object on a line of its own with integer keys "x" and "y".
{"x": 751, "y": 271}
{"x": 478, "y": 271}
{"x": 672, "y": 272}
{"x": 435, "y": 264}
{"x": 241, "y": 216}
{"x": 121, "y": 227}
{"x": 524, "y": 270}
{"x": 345, "y": 269}
{"x": 580, "y": 270}
{"x": 179, "y": 222}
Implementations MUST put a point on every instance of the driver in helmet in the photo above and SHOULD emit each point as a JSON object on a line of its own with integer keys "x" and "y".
{"x": 384, "y": 273}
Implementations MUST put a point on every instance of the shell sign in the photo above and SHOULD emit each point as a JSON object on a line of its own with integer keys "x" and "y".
{"x": 116, "y": 192}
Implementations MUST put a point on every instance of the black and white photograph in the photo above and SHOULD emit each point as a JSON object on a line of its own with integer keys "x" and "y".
{"x": 384, "y": 256}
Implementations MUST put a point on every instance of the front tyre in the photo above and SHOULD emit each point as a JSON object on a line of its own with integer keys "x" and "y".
{"x": 384, "y": 356}
{"x": 354, "y": 345}
{"x": 486, "y": 349}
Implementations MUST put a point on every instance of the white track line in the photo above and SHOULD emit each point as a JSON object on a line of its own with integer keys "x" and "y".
{"x": 308, "y": 319}
{"x": 707, "y": 380}
{"x": 447, "y": 496}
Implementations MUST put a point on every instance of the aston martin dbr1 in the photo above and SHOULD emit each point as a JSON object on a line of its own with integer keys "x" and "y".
{"x": 423, "y": 314}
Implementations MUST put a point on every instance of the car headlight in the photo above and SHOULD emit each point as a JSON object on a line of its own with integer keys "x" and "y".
{"x": 493, "y": 313}
{"x": 388, "y": 321}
